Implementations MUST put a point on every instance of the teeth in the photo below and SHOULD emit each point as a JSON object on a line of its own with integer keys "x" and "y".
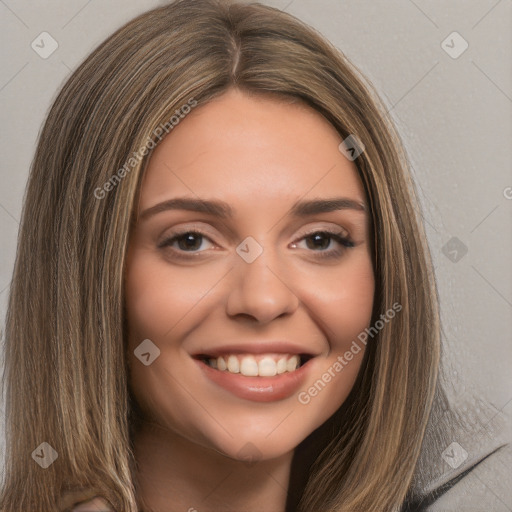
{"x": 249, "y": 366}
{"x": 281, "y": 365}
{"x": 267, "y": 366}
{"x": 233, "y": 364}
{"x": 221, "y": 364}
{"x": 292, "y": 363}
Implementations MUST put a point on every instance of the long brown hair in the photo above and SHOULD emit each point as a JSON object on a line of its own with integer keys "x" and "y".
{"x": 65, "y": 374}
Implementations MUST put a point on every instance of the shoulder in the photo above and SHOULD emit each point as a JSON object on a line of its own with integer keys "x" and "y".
{"x": 465, "y": 467}
{"x": 479, "y": 483}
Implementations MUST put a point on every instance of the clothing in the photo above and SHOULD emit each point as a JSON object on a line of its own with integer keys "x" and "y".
{"x": 466, "y": 459}
{"x": 483, "y": 484}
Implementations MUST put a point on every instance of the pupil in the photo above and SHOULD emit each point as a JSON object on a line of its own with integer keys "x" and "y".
{"x": 187, "y": 241}
{"x": 316, "y": 237}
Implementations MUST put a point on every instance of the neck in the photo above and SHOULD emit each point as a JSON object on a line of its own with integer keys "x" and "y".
{"x": 175, "y": 474}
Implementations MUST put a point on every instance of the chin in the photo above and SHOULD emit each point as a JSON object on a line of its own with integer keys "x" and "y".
{"x": 257, "y": 440}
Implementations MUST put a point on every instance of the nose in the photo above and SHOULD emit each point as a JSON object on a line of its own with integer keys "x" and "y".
{"x": 261, "y": 289}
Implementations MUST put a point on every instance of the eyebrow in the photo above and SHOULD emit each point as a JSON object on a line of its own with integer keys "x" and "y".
{"x": 223, "y": 210}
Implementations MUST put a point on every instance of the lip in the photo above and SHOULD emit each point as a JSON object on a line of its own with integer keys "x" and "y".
{"x": 274, "y": 347}
{"x": 258, "y": 389}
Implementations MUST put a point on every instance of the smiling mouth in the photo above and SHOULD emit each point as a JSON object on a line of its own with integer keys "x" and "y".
{"x": 256, "y": 365}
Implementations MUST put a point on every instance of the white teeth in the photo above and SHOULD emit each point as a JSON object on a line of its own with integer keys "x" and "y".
{"x": 281, "y": 365}
{"x": 248, "y": 365}
{"x": 233, "y": 364}
{"x": 221, "y": 364}
{"x": 267, "y": 367}
{"x": 292, "y": 363}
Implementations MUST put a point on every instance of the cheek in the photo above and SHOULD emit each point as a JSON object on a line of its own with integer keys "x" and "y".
{"x": 158, "y": 296}
{"x": 342, "y": 305}
{"x": 343, "y": 302}
{"x": 352, "y": 310}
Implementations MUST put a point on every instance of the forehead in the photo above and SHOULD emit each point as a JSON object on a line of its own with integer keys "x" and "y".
{"x": 246, "y": 150}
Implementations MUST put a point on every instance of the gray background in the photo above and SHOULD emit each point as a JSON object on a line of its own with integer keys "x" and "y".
{"x": 454, "y": 115}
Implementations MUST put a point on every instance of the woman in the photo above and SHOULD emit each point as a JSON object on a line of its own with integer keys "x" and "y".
{"x": 197, "y": 345}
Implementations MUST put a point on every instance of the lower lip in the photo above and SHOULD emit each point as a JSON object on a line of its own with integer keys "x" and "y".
{"x": 258, "y": 389}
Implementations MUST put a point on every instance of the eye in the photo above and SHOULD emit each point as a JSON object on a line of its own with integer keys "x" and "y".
{"x": 319, "y": 241}
{"x": 187, "y": 241}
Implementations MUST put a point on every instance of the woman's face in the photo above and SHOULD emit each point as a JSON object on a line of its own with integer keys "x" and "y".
{"x": 253, "y": 281}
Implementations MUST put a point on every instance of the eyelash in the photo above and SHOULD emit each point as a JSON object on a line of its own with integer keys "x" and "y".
{"x": 343, "y": 241}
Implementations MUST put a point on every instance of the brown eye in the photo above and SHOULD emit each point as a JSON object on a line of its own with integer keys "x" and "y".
{"x": 320, "y": 241}
{"x": 187, "y": 241}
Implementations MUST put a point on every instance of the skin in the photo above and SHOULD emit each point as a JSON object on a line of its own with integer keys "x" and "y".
{"x": 259, "y": 155}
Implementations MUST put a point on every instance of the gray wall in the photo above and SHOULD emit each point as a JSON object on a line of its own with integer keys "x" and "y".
{"x": 454, "y": 115}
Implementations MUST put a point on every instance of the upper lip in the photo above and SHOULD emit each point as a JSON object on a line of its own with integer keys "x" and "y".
{"x": 256, "y": 347}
